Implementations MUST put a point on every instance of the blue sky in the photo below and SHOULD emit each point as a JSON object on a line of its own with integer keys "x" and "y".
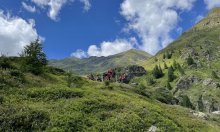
{"x": 84, "y": 28}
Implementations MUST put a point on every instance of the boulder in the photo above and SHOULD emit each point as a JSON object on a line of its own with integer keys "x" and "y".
{"x": 216, "y": 112}
{"x": 186, "y": 82}
{"x": 207, "y": 82}
{"x": 200, "y": 115}
{"x": 152, "y": 129}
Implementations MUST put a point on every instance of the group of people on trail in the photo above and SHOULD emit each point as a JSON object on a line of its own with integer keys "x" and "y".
{"x": 108, "y": 76}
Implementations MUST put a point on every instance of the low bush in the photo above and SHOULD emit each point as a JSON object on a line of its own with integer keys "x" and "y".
{"x": 23, "y": 119}
{"x": 55, "y": 94}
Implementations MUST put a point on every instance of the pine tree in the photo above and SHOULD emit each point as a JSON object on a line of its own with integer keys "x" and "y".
{"x": 174, "y": 64}
{"x": 34, "y": 59}
{"x": 190, "y": 61}
{"x": 165, "y": 65}
{"x": 200, "y": 104}
{"x": 164, "y": 56}
{"x": 214, "y": 75}
{"x": 186, "y": 102}
{"x": 157, "y": 72}
{"x": 180, "y": 69}
{"x": 169, "y": 86}
{"x": 171, "y": 75}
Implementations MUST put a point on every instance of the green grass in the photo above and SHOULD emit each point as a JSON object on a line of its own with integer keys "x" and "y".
{"x": 90, "y": 107}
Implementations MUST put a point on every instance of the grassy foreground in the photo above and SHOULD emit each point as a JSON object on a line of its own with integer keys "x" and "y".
{"x": 45, "y": 103}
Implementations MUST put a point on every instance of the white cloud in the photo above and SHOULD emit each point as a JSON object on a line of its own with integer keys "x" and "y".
{"x": 108, "y": 48}
{"x": 15, "y": 33}
{"x": 212, "y": 3}
{"x": 153, "y": 20}
{"x": 87, "y": 4}
{"x": 79, "y": 54}
{"x": 55, "y": 6}
{"x": 28, "y": 7}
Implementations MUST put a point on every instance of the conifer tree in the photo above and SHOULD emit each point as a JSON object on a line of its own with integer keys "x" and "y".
{"x": 34, "y": 59}
{"x": 171, "y": 75}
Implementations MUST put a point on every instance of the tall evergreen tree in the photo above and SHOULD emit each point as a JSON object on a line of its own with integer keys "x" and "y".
{"x": 171, "y": 75}
{"x": 165, "y": 65}
{"x": 34, "y": 59}
{"x": 200, "y": 104}
{"x": 157, "y": 72}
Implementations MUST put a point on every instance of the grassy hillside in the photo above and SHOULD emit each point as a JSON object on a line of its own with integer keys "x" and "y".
{"x": 45, "y": 103}
{"x": 195, "y": 58}
{"x": 100, "y": 64}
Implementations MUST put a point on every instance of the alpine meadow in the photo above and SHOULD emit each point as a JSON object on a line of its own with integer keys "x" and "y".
{"x": 160, "y": 74}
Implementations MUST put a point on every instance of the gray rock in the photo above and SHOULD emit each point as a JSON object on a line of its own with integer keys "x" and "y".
{"x": 200, "y": 115}
{"x": 152, "y": 129}
{"x": 183, "y": 83}
{"x": 207, "y": 81}
{"x": 186, "y": 82}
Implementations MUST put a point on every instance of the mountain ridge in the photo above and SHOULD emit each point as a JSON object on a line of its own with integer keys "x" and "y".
{"x": 100, "y": 64}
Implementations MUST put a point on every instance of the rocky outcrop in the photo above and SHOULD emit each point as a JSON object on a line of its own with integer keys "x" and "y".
{"x": 186, "y": 82}
{"x": 200, "y": 115}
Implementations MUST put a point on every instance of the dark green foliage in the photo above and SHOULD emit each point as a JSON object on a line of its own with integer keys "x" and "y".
{"x": 164, "y": 95}
{"x": 55, "y": 94}
{"x": 34, "y": 59}
{"x": 168, "y": 55}
{"x": 214, "y": 75}
{"x": 150, "y": 81}
{"x": 200, "y": 103}
{"x": 157, "y": 72}
{"x": 107, "y": 83}
{"x": 55, "y": 71}
{"x": 23, "y": 120}
{"x": 165, "y": 65}
{"x": 185, "y": 102}
{"x": 1, "y": 99}
{"x": 155, "y": 59}
{"x": 175, "y": 64}
{"x": 74, "y": 81}
{"x": 5, "y": 62}
{"x": 190, "y": 61}
{"x": 169, "y": 86}
{"x": 213, "y": 106}
{"x": 164, "y": 56}
{"x": 180, "y": 69}
{"x": 171, "y": 75}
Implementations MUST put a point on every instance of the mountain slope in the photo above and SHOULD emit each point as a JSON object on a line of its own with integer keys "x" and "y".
{"x": 101, "y": 64}
{"x": 195, "y": 57}
{"x": 47, "y": 103}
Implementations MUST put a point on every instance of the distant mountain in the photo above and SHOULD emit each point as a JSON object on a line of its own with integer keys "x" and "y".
{"x": 195, "y": 59}
{"x": 100, "y": 64}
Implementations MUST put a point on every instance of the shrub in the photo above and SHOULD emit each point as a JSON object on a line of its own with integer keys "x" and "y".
{"x": 185, "y": 102}
{"x": 180, "y": 69}
{"x": 214, "y": 75}
{"x": 150, "y": 81}
{"x": 200, "y": 104}
{"x": 74, "y": 81}
{"x": 107, "y": 83}
{"x": 157, "y": 72}
{"x": 168, "y": 55}
{"x": 1, "y": 99}
{"x": 190, "y": 61}
{"x": 169, "y": 86}
{"x": 23, "y": 120}
{"x": 165, "y": 65}
{"x": 5, "y": 62}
